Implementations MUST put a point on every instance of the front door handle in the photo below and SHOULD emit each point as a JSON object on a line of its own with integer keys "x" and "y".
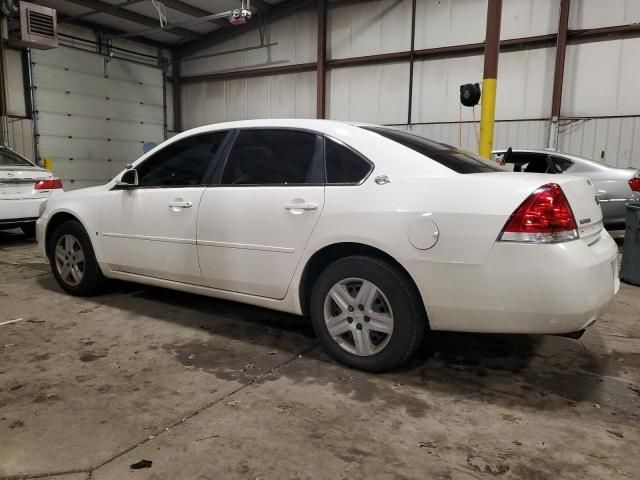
{"x": 180, "y": 204}
{"x": 301, "y": 206}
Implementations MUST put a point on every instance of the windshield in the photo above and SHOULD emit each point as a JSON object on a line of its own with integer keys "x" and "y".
{"x": 10, "y": 159}
{"x": 459, "y": 161}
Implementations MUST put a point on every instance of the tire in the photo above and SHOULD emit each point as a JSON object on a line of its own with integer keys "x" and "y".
{"x": 91, "y": 281}
{"x": 29, "y": 230}
{"x": 395, "y": 329}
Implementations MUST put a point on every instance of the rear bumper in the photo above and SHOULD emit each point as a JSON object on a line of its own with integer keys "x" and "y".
{"x": 18, "y": 210}
{"x": 521, "y": 288}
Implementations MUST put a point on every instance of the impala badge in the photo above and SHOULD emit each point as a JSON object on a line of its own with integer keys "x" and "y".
{"x": 584, "y": 221}
{"x": 382, "y": 179}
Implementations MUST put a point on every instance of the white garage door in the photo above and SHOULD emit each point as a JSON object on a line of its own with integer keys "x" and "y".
{"x": 91, "y": 126}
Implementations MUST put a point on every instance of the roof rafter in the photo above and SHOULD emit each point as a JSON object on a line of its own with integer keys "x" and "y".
{"x": 275, "y": 13}
{"x": 103, "y": 7}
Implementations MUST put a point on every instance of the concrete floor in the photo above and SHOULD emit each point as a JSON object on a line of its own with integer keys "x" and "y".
{"x": 207, "y": 389}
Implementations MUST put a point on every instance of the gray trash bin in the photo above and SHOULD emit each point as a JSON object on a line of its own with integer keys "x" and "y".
{"x": 630, "y": 271}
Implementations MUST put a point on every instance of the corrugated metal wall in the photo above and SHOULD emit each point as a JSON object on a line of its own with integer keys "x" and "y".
{"x": 20, "y": 133}
{"x": 91, "y": 125}
{"x": 600, "y": 77}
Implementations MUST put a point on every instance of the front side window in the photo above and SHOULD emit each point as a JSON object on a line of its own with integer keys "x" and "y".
{"x": 274, "y": 157}
{"x": 459, "y": 161}
{"x": 182, "y": 163}
{"x": 343, "y": 164}
{"x": 10, "y": 159}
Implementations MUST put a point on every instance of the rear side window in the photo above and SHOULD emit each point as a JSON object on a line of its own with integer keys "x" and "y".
{"x": 274, "y": 157}
{"x": 457, "y": 160}
{"x": 9, "y": 159}
{"x": 182, "y": 163}
{"x": 344, "y": 165}
{"x": 561, "y": 163}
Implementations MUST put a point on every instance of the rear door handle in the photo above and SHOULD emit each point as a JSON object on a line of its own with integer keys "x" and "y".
{"x": 180, "y": 204}
{"x": 301, "y": 206}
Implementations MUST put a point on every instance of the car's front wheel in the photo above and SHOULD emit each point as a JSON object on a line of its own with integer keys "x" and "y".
{"x": 367, "y": 313}
{"x": 72, "y": 260}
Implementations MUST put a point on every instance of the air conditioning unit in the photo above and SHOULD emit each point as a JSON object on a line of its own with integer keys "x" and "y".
{"x": 37, "y": 27}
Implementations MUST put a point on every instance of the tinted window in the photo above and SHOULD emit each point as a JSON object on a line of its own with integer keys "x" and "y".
{"x": 274, "y": 157}
{"x": 10, "y": 159}
{"x": 457, "y": 160}
{"x": 562, "y": 163}
{"x": 343, "y": 164}
{"x": 182, "y": 163}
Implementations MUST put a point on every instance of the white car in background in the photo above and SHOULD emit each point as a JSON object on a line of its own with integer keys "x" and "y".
{"x": 23, "y": 188}
{"x": 378, "y": 234}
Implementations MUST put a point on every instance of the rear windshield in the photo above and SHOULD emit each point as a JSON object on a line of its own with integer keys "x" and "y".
{"x": 10, "y": 159}
{"x": 457, "y": 160}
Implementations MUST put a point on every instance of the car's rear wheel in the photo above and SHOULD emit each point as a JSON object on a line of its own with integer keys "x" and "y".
{"x": 29, "y": 230}
{"x": 73, "y": 261}
{"x": 367, "y": 313}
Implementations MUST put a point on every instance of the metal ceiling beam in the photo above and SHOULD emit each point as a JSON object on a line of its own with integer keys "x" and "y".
{"x": 183, "y": 7}
{"x": 277, "y": 12}
{"x": 261, "y": 5}
{"x": 103, "y": 7}
{"x": 117, "y": 6}
{"x": 114, "y": 31}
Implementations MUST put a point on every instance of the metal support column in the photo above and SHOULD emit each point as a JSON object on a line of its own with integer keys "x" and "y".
{"x": 321, "y": 69}
{"x": 490, "y": 77}
{"x": 558, "y": 77}
{"x": 177, "y": 103}
{"x": 412, "y": 55}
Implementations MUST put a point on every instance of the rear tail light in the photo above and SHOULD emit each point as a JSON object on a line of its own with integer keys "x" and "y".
{"x": 634, "y": 183}
{"x": 544, "y": 217}
{"x": 51, "y": 183}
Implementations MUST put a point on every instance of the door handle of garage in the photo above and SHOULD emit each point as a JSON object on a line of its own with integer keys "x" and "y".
{"x": 301, "y": 206}
{"x": 177, "y": 204}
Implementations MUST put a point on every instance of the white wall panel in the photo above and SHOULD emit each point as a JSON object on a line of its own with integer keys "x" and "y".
{"x": 436, "y": 88}
{"x": 15, "y": 83}
{"x": 375, "y": 94}
{"x": 601, "y": 79}
{"x": 441, "y": 23}
{"x": 368, "y": 28}
{"x": 277, "y": 96}
{"x": 526, "y": 18}
{"x": 90, "y": 125}
{"x": 525, "y": 85}
{"x": 21, "y": 136}
{"x": 523, "y": 134}
{"x": 614, "y": 141}
{"x": 296, "y": 37}
{"x": 603, "y": 13}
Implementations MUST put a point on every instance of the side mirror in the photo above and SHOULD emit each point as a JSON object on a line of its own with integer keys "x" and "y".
{"x": 128, "y": 179}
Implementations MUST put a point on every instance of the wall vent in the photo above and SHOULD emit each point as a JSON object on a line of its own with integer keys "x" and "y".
{"x": 37, "y": 27}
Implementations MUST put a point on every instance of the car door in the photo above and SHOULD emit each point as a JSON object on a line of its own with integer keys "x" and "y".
{"x": 151, "y": 229}
{"x": 254, "y": 225}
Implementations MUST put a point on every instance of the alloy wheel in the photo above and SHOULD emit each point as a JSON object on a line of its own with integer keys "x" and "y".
{"x": 69, "y": 258}
{"x": 358, "y": 316}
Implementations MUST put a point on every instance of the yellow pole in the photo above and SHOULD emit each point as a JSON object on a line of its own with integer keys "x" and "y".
{"x": 47, "y": 163}
{"x": 487, "y": 116}
{"x": 491, "y": 51}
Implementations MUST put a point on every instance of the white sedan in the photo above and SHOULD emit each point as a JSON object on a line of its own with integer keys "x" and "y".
{"x": 377, "y": 234}
{"x": 23, "y": 188}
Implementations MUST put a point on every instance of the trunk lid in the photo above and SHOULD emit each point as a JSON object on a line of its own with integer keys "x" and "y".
{"x": 583, "y": 198}
{"x": 18, "y": 183}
